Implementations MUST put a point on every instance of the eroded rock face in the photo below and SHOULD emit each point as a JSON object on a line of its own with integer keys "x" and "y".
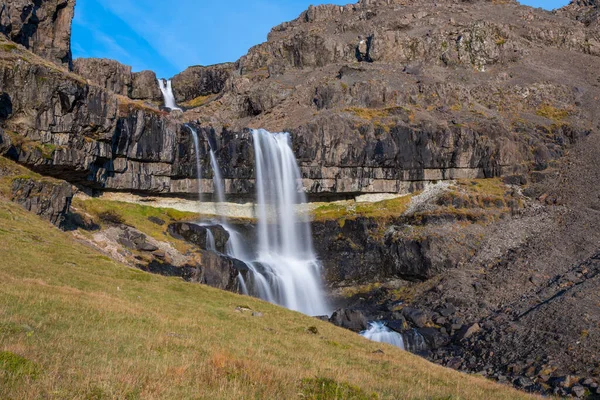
{"x": 197, "y": 234}
{"x": 49, "y": 200}
{"x": 43, "y": 26}
{"x": 201, "y": 81}
{"x": 108, "y": 74}
{"x": 118, "y": 78}
{"x": 144, "y": 86}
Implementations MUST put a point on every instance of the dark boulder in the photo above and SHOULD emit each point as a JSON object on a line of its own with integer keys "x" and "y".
{"x": 48, "y": 199}
{"x": 219, "y": 271}
{"x": 353, "y": 320}
{"x": 434, "y": 338}
{"x": 198, "y": 235}
{"x": 416, "y": 317}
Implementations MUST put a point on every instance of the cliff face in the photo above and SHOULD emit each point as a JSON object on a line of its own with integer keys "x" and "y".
{"x": 118, "y": 78}
{"x": 43, "y": 26}
{"x": 379, "y": 97}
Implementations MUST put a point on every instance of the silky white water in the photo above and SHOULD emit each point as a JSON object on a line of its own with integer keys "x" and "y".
{"x": 197, "y": 154}
{"x": 210, "y": 241}
{"x": 217, "y": 180}
{"x": 167, "y": 91}
{"x": 378, "y": 332}
{"x": 284, "y": 269}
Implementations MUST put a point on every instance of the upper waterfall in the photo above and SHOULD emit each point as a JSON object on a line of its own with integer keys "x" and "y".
{"x": 167, "y": 91}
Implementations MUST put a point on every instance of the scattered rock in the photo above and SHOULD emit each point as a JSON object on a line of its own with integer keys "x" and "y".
{"x": 468, "y": 331}
{"x": 417, "y": 317}
{"x": 156, "y": 220}
{"x": 353, "y": 320}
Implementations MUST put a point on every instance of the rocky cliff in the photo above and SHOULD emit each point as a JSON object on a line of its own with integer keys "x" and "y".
{"x": 43, "y": 26}
{"x": 388, "y": 96}
{"x": 379, "y": 97}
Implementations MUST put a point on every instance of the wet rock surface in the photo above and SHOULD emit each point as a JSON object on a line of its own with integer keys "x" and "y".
{"x": 198, "y": 234}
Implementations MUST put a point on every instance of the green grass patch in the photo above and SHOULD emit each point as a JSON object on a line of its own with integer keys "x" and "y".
{"x": 135, "y": 215}
{"x": 551, "y": 112}
{"x": 352, "y": 210}
{"x": 197, "y": 102}
{"x": 17, "y": 367}
{"x": 8, "y": 46}
{"x": 328, "y": 389}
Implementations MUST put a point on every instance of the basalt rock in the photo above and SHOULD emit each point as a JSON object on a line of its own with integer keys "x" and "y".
{"x": 353, "y": 320}
{"x": 43, "y": 26}
{"x": 200, "y": 81}
{"x": 197, "y": 234}
{"x": 144, "y": 86}
{"x": 219, "y": 271}
{"x": 108, "y": 74}
{"x": 48, "y": 199}
{"x": 119, "y": 79}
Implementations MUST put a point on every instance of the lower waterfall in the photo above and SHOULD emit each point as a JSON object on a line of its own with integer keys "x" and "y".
{"x": 282, "y": 265}
{"x": 378, "y": 332}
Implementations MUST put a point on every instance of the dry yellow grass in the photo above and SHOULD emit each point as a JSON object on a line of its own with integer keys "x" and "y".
{"x": 76, "y": 325}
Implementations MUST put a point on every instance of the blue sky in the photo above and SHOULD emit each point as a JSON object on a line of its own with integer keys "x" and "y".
{"x": 147, "y": 34}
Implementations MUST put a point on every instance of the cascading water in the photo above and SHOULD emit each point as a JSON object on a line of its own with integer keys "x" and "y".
{"x": 217, "y": 180}
{"x": 210, "y": 241}
{"x": 197, "y": 154}
{"x": 167, "y": 91}
{"x": 378, "y": 332}
{"x": 285, "y": 269}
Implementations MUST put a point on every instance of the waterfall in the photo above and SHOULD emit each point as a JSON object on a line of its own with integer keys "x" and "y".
{"x": 284, "y": 269}
{"x": 378, "y": 332}
{"x": 217, "y": 179}
{"x": 167, "y": 91}
{"x": 210, "y": 241}
{"x": 197, "y": 153}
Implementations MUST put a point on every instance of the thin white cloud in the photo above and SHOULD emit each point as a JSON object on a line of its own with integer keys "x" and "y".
{"x": 165, "y": 38}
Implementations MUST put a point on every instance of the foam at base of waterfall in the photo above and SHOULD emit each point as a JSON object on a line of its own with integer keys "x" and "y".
{"x": 287, "y": 281}
{"x": 378, "y": 332}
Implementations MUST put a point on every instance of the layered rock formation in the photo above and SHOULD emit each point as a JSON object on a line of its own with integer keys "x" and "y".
{"x": 200, "y": 81}
{"x": 383, "y": 96}
{"x": 374, "y": 105}
{"x": 43, "y": 26}
{"x": 118, "y": 78}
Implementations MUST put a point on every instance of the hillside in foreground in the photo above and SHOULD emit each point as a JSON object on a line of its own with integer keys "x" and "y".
{"x": 74, "y": 324}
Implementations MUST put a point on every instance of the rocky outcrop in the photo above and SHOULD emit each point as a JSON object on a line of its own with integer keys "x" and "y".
{"x": 201, "y": 81}
{"x": 108, "y": 74}
{"x": 349, "y": 319}
{"x": 48, "y": 199}
{"x": 43, "y": 26}
{"x": 118, "y": 78}
{"x": 219, "y": 271}
{"x": 198, "y": 235}
{"x": 408, "y": 113}
{"x": 144, "y": 86}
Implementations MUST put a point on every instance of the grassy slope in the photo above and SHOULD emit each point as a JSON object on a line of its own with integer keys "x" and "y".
{"x": 87, "y": 327}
